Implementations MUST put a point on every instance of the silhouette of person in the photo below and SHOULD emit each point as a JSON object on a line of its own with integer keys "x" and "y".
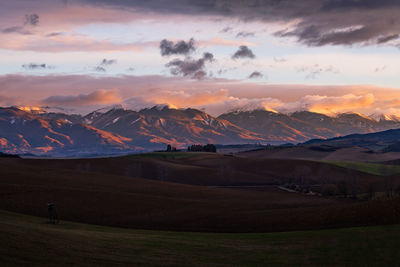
{"x": 53, "y": 217}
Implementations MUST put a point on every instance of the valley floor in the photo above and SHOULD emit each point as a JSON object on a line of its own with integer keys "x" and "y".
{"x": 27, "y": 240}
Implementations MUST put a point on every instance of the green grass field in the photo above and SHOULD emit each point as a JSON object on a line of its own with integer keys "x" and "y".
{"x": 371, "y": 168}
{"x": 27, "y": 240}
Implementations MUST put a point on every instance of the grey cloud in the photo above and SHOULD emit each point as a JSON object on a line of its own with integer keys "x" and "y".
{"x": 35, "y": 66}
{"x": 243, "y": 52}
{"x": 189, "y": 67}
{"x": 315, "y": 36}
{"x": 13, "y": 29}
{"x": 388, "y": 38}
{"x": 53, "y": 34}
{"x": 357, "y": 4}
{"x": 31, "y": 19}
{"x": 100, "y": 69}
{"x": 180, "y": 48}
{"x": 107, "y": 62}
{"x": 93, "y": 98}
{"x": 255, "y": 75}
{"x": 245, "y": 34}
{"x": 226, "y": 29}
{"x": 313, "y": 71}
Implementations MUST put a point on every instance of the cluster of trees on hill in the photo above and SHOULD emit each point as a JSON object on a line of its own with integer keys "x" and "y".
{"x": 200, "y": 148}
{"x": 171, "y": 149}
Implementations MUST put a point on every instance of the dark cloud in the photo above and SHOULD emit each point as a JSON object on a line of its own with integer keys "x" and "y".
{"x": 100, "y": 69}
{"x": 314, "y": 36}
{"x": 31, "y": 19}
{"x": 189, "y": 67}
{"x": 94, "y": 98}
{"x": 35, "y": 66}
{"x": 226, "y": 29}
{"x": 357, "y": 4}
{"x": 179, "y": 48}
{"x": 53, "y": 34}
{"x": 317, "y": 22}
{"x": 255, "y": 75}
{"x": 108, "y": 62}
{"x": 13, "y": 29}
{"x": 104, "y": 63}
{"x": 243, "y": 52}
{"x": 388, "y": 38}
{"x": 245, "y": 34}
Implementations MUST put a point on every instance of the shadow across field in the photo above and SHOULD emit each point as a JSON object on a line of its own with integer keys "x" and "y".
{"x": 28, "y": 241}
{"x": 188, "y": 194}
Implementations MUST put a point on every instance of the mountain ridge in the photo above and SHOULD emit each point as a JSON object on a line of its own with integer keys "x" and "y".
{"x": 119, "y": 130}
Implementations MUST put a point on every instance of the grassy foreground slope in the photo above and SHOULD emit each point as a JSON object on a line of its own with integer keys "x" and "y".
{"x": 31, "y": 241}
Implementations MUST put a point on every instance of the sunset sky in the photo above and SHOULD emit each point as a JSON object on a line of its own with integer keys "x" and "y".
{"x": 327, "y": 56}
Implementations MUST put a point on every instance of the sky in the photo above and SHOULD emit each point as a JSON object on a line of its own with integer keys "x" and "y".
{"x": 327, "y": 56}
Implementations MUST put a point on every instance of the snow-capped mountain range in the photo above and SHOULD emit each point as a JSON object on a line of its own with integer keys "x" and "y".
{"x": 115, "y": 130}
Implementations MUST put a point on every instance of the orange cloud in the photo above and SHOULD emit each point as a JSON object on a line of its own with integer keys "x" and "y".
{"x": 144, "y": 91}
{"x": 331, "y": 104}
{"x": 186, "y": 99}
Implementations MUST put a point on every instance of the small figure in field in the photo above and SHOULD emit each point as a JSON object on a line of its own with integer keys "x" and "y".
{"x": 53, "y": 217}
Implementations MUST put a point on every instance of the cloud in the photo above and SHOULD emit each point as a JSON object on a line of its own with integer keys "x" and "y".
{"x": 255, "y": 75}
{"x": 243, "y": 52}
{"x": 330, "y": 104}
{"x": 53, "y": 34}
{"x": 313, "y": 71}
{"x": 226, "y": 29}
{"x": 311, "y": 22}
{"x": 189, "y": 67}
{"x": 108, "y": 62}
{"x": 102, "y": 67}
{"x": 31, "y": 19}
{"x": 71, "y": 43}
{"x": 214, "y": 95}
{"x": 216, "y": 41}
{"x": 388, "y": 38}
{"x": 13, "y": 29}
{"x": 245, "y": 34}
{"x": 380, "y": 69}
{"x": 314, "y": 103}
{"x": 98, "y": 97}
{"x": 179, "y": 48}
{"x": 35, "y": 66}
{"x": 182, "y": 98}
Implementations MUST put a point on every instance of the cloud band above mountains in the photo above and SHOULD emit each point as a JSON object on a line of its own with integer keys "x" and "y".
{"x": 216, "y": 96}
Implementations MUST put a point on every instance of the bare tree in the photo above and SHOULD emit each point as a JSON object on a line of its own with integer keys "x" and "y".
{"x": 388, "y": 179}
{"x": 342, "y": 188}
